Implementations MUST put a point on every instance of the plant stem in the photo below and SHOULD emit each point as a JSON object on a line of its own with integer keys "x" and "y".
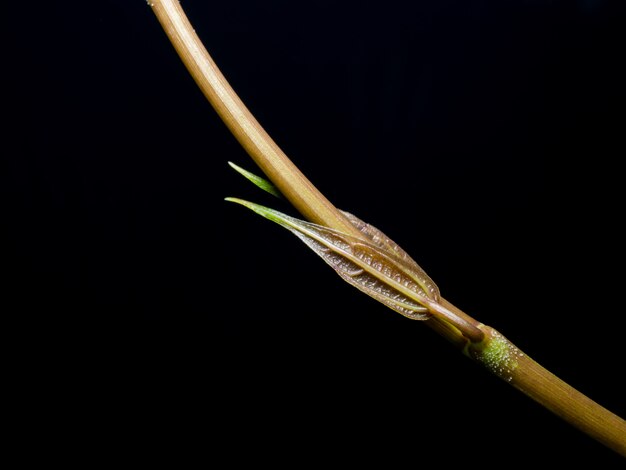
{"x": 490, "y": 348}
{"x": 255, "y": 140}
{"x": 506, "y": 361}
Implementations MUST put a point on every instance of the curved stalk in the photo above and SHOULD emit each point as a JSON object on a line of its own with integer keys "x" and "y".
{"x": 254, "y": 139}
{"x": 490, "y": 348}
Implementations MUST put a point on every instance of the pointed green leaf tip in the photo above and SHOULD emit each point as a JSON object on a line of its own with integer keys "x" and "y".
{"x": 266, "y": 212}
{"x": 373, "y": 264}
{"x": 257, "y": 180}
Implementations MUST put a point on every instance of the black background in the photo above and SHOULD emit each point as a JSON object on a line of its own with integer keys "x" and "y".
{"x": 154, "y": 316}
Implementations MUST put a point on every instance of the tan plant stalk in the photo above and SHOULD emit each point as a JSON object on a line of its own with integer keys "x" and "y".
{"x": 480, "y": 342}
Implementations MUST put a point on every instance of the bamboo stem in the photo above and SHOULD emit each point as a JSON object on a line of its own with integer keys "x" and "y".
{"x": 570, "y": 404}
{"x": 305, "y": 197}
{"x": 505, "y": 360}
{"x": 491, "y": 349}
